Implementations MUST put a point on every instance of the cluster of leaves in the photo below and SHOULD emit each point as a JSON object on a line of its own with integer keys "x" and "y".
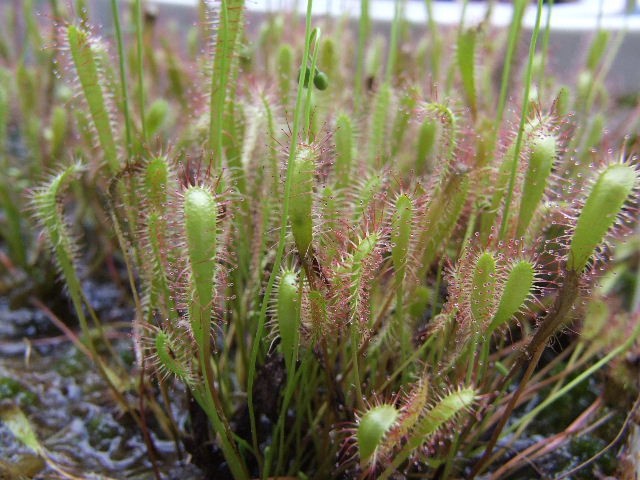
{"x": 352, "y": 277}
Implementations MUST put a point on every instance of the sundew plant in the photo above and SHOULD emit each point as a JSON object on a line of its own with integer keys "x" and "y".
{"x": 346, "y": 255}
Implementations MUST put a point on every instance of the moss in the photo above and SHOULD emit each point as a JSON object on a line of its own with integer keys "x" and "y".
{"x": 102, "y": 429}
{"x": 11, "y": 389}
{"x": 566, "y": 409}
{"x": 72, "y": 365}
{"x": 585, "y": 447}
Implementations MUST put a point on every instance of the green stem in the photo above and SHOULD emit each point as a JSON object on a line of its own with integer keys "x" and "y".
{"x": 436, "y": 42}
{"x": 514, "y": 33}
{"x": 207, "y": 402}
{"x": 123, "y": 76}
{"x": 257, "y": 342}
{"x": 363, "y": 35}
{"x": 401, "y": 370}
{"x": 545, "y": 48}
{"x": 523, "y": 117}
{"x": 139, "y": 29}
{"x": 293, "y": 378}
{"x": 393, "y": 44}
{"x": 227, "y": 34}
{"x": 356, "y": 367}
{"x": 635, "y": 302}
{"x": 307, "y": 133}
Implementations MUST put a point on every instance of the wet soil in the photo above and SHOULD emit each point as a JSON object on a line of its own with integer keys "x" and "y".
{"x": 69, "y": 405}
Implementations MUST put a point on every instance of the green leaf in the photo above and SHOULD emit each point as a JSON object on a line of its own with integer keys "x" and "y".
{"x": 600, "y": 212}
{"x": 16, "y": 421}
